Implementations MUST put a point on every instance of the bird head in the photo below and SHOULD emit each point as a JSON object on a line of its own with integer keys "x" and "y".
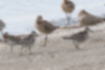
{"x": 5, "y": 34}
{"x": 39, "y": 20}
{"x": 39, "y": 17}
{"x": 82, "y": 12}
{"x": 34, "y": 33}
{"x": 65, "y": 1}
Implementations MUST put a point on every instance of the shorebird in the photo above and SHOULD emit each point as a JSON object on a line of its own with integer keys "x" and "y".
{"x": 22, "y": 36}
{"x": 44, "y": 27}
{"x": 68, "y": 7}
{"x": 28, "y": 41}
{"x": 79, "y": 37}
{"x": 86, "y": 18}
{"x": 2, "y": 26}
{"x": 11, "y": 40}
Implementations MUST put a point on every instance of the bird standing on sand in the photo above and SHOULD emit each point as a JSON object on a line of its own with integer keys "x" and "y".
{"x": 28, "y": 41}
{"x": 44, "y": 27}
{"x": 11, "y": 40}
{"x": 86, "y": 18}
{"x": 68, "y": 7}
{"x": 2, "y": 26}
{"x": 79, "y": 37}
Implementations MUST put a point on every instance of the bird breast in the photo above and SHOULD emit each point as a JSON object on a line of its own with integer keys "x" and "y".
{"x": 42, "y": 28}
{"x": 68, "y": 8}
{"x": 81, "y": 17}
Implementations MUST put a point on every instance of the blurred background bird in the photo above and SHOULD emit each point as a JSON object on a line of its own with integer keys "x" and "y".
{"x": 68, "y": 7}
{"x": 86, "y": 18}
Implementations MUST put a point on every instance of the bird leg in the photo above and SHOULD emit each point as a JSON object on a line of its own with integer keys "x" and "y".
{"x": 29, "y": 48}
{"x": 21, "y": 50}
{"x": 45, "y": 40}
{"x": 11, "y": 49}
{"x": 76, "y": 45}
{"x": 68, "y": 20}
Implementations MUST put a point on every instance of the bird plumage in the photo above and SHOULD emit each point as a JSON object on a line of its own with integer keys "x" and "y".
{"x": 26, "y": 41}
{"x": 68, "y": 6}
{"x": 86, "y": 18}
{"x": 79, "y": 37}
{"x": 44, "y": 26}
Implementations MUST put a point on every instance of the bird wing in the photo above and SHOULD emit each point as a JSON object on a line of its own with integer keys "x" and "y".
{"x": 77, "y": 35}
{"x": 94, "y": 19}
{"x": 70, "y": 5}
{"x": 48, "y": 26}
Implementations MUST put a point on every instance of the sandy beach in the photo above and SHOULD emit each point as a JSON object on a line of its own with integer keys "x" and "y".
{"x": 59, "y": 54}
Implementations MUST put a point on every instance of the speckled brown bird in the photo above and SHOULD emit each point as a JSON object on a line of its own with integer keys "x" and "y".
{"x": 86, "y": 18}
{"x": 68, "y": 7}
{"x": 28, "y": 41}
{"x": 44, "y": 27}
{"x": 79, "y": 37}
{"x": 11, "y": 40}
{"x": 22, "y": 36}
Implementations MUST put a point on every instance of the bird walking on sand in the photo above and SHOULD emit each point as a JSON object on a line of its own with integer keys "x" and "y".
{"x": 79, "y": 37}
{"x": 86, "y": 18}
{"x": 68, "y": 7}
{"x": 2, "y": 26}
{"x": 21, "y": 36}
{"x": 28, "y": 41}
{"x": 44, "y": 27}
{"x": 11, "y": 40}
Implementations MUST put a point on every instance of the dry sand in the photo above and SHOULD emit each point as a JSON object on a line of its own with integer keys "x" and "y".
{"x": 59, "y": 54}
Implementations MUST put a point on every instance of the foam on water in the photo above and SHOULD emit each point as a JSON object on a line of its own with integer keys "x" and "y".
{"x": 20, "y": 15}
